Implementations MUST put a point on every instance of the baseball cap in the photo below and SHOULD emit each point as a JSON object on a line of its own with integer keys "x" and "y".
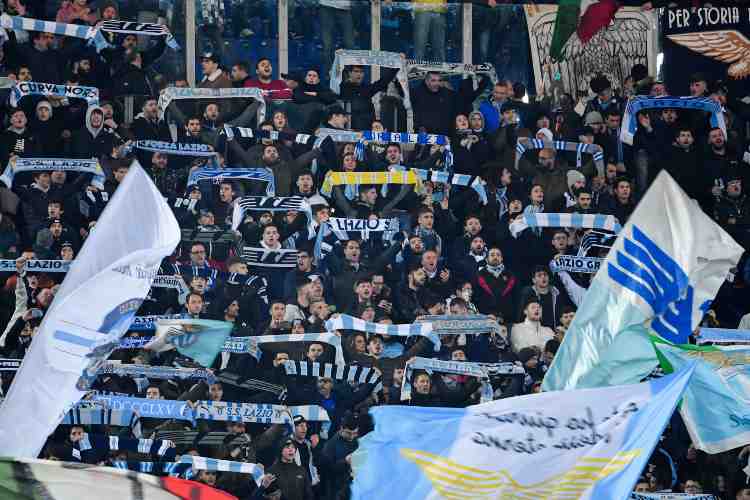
{"x": 211, "y": 57}
{"x": 298, "y": 419}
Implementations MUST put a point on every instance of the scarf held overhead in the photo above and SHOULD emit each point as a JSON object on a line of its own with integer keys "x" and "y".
{"x": 452, "y": 367}
{"x": 23, "y": 89}
{"x": 219, "y": 175}
{"x": 19, "y": 23}
{"x": 88, "y": 166}
{"x": 171, "y": 93}
{"x": 544, "y": 219}
{"x": 350, "y": 178}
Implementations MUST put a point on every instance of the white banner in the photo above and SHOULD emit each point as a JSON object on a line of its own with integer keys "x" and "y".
{"x": 92, "y": 310}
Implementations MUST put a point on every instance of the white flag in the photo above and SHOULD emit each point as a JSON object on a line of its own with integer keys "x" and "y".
{"x": 93, "y": 308}
{"x": 660, "y": 276}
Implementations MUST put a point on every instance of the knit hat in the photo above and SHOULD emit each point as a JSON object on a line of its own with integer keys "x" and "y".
{"x": 44, "y": 104}
{"x": 639, "y": 72}
{"x": 573, "y": 177}
{"x": 593, "y": 117}
{"x": 599, "y": 84}
{"x": 547, "y": 134}
{"x": 526, "y": 354}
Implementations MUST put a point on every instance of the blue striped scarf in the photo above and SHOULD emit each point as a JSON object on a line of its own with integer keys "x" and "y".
{"x": 406, "y": 138}
{"x": 525, "y": 143}
{"x": 23, "y": 89}
{"x": 721, "y": 335}
{"x": 539, "y": 220}
{"x": 452, "y": 367}
{"x": 346, "y": 322}
{"x": 64, "y": 29}
{"x": 172, "y": 148}
{"x": 228, "y": 174}
{"x": 158, "y": 372}
{"x": 188, "y": 462}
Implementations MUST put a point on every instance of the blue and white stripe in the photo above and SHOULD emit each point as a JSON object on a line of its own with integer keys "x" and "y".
{"x": 64, "y": 29}
{"x": 722, "y": 335}
{"x": 545, "y": 219}
{"x": 346, "y": 322}
{"x": 221, "y": 174}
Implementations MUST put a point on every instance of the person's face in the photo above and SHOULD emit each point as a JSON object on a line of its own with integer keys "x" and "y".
{"x": 611, "y": 172}
{"x": 264, "y": 69}
{"x": 300, "y": 430}
{"x": 622, "y": 191}
{"x": 305, "y": 184}
{"x": 57, "y": 177}
{"x": 377, "y": 284}
{"x": 76, "y": 434}
{"x": 476, "y": 121}
{"x": 537, "y": 194}
{"x": 325, "y": 384}
{"x": 534, "y": 311}
{"x": 685, "y": 138}
{"x": 56, "y": 229}
{"x": 159, "y": 160}
{"x": 422, "y": 384}
{"x": 24, "y": 75}
{"x": 270, "y": 236}
{"x": 716, "y": 139}
{"x": 18, "y": 120}
{"x": 605, "y": 95}
{"x": 349, "y": 163}
{"x": 560, "y": 242}
{"x": 547, "y": 158}
{"x": 207, "y": 219}
{"x": 208, "y": 477}
{"x": 377, "y": 127}
{"x": 43, "y": 179}
{"x": 692, "y": 487}
{"x": 473, "y": 226}
{"x": 359, "y": 344}
{"x": 215, "y": 392}
{"x": 567, "y": 318}
{"x": 53, "y": 210}
{"x": 458, "y": 356}
{"x": 669, "y": 116}
{"x": 208, "y": 66}
{"x": 153, "y": 393}
{"x": 321, "y": 310}
{"x": 433, "y": 82}
{"x": 84, "y": 65}
{"x": 356, "y": 75}
{"x": 225, "y": 193}
{"x": 198, "y": 283}
{"x": 541, "y": 279}
{"x": 315, "y": 351}
{"x": 280, "y": 359}
{"x": 338, "y": 120}
{"x": 543, "y": 122}
{"x": 416, "y": 244}
{"x": 429, "y": 261}
{"x": 548, "y": 357}
{"x": 375, "y": 346}
{"x": 212, "y": 112}
{"x": 67, "y": 253}
{"x": 613, "y": 122}
{"x": 584, "y": 200}
{"x": 120, "y": 174}
{"x": 238, "y": 74}
{"x": 97, "y": 118}
{"x": 658, "y": 90}
{"x": 109, "y": 13}
{"x": 44, "y": 298}
{"x": 393, "y": 155}
{"x": 515, "y": 206}
{"x": 364, "y": 290}
{"x": 194, "y": 127}
{"x": 532, "y": 362}
{"x": 303, "y": 262}
{"x": 351, "y": 251}
{"x": 277, "y": 311}
{"x": 499, "y": 93}
{"x": 312, "y": 78}
{"x": 279, "y": 120}
{"x": 270, "y": 155}
{"x": 697, "y": 89}
{"x": 44, "y": 41}
{"x": 149, "y": 108}
{"x": 195, "y": 304}
{"x": 198, "y": 254}
{"x": 476, "y": 246}
{"x": 462, "y": 123}
{"x": 43, "y": 113}
{"x": 642, "y": 487}
{"x": 734, "y": 188}
{"x": 426, "y": 220}
{"x": 233, "y": 309}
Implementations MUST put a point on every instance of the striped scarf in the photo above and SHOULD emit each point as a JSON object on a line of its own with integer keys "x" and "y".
{"x": 89, "y": 166}
{"x": 47, "y": 266}
{"x": 218, "y": 175}
{"x": 350, "y": 373}
{"x": 347, "y": 178}
{"x": 171, "y": 148}
{"x": 405, "y": 138}
{"x": 460, "y": 324}
{"x": 346, "y": 322}
{"x": 445, "y": 177}
{"x": 188, "y": 462}
{"x": 171, "y": 93}
{"x": 544, "y": 219}
{"x": 84, "y": 32}
{"x": 270, "y": 204}
{"x": 102, "y": 445}
{"x": 370, "y": 58}
{"x": 723, "y": 335}
{"x": 249, "y": 345}
{"x": 524, "y": 144}
{"x": 452, "y": 367}
{"x": 248, "y": 133}
{"x": 143, "y": 29}
{"x": 23, "y": 89}
{"x": 158, "y": 372}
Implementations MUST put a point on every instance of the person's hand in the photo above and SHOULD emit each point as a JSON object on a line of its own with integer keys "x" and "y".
{"x": 20, "y": 263}
{"x": 647, "y": 6}
{"x": 645, "y": 121}
{"x": 386, "y": 306}
{"x": 445, "y": 275}
{"x": 311, "y": 93}
{"x": 716, "y": 190}
{"x": 492, "y": 3}
{"x": 110, "y": 123}
{"x": 266, "y": 480}
{"x": 314, "y": 440}
{"x": 348, "y": 459}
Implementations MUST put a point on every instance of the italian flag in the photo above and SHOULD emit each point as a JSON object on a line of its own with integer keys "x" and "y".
{"x": 585, "y": 17}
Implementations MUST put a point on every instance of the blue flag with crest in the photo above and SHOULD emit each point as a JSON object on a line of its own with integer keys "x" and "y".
{"x": 200, "y": 339}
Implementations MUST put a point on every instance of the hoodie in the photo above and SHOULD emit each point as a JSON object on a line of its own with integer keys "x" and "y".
{"x": 92, "y": 142}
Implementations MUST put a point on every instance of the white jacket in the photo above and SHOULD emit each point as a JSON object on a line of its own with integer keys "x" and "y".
{"x": 21, "y": 306}
{"x": 529, "y": 334}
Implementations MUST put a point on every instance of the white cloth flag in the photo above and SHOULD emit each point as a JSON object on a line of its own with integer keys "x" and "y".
{"x": 661, "y": 275}
{"x": 92, "y": 310}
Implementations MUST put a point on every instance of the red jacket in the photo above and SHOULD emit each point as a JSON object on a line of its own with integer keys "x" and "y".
{"x": 278, "y": 88}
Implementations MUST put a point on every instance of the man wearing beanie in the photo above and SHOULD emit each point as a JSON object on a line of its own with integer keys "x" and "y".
{"x": 604, "y": 99}
{"x": 291, "y": 478}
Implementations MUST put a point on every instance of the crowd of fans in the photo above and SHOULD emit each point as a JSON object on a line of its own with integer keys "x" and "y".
{"x": 453, "y": 253}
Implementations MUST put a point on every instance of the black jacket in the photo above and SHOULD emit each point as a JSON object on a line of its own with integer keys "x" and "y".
{"x": 360, "y": 97}
{"x": 434, "y": 111}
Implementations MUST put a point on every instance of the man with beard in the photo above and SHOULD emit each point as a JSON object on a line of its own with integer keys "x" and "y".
{"x": 496, "y": 288}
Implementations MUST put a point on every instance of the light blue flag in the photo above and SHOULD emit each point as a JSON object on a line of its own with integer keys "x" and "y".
{"x": 661, "y": 275}
{"x": 716, "y": 405}
{"x": 585, "y": 444}
{"x": 200, "y": 339}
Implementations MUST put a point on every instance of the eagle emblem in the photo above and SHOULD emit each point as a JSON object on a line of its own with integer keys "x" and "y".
{"x": 727, "y": 46}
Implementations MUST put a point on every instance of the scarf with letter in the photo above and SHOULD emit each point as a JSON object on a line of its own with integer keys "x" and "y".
{"x": 23, "y": 89}
{"x": 218, "y": 175}
{"x": 369, "y": 58}
{"x": 89, "y": 166}
{"x": 452, "y": 367}
{"x": 171, "y": 93}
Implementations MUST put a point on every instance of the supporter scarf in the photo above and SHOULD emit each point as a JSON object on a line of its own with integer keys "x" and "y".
{"x": 544, "y": 219}
{"x": 10, "y": 364}
{"x": 218, "y": 175}
{"x": 172, "y": 148}
{"x": 638, "y": 103}
{"x": 171, "y": 93}
{"x": 37, "y": 266}
{"x": 346, "y": 322}
{"x": 341, "y": 226}
{"x": 145, "y": 29}
{"x": 524, "y": 143}
{"x": 94, "y": 415}
{"x": 347, "y": 178}
{"x": 270, "y": 204}
{"x": 249, "y": 345}
{"x": 458, "y": 324}
{"x": 174, "y": 283}
{"x": 89, "y": 166}
{"x": 445, "y": 177}
{"x": 283, "y": 258}
{"x": 723, "y": 335}
{"x": 418, "y": 68}
{"x": 336, "y": 135}
{"x": 453, "y": 367}
{"x": 192, "y": 462}
{"x": 671, "y": 496}
{"x": 158, "y": 372}
{"x": 369, "y": 58}
{"x": 573, "y": 264}
{"x": 75, "y": 30}
{"x": 145, "y": 324}
{"x": 350, "y": 373}
{"x": 106, "y": 444}
{"x": 405, "y": 138}
{"x": 23, "y": 89}
{"x": 248, "y": 133}
{"x": 500, "y": 369}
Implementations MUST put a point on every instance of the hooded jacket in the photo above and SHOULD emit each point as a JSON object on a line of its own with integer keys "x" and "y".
{"x": 48, "y": 133}
{"x": 92, "y": 142}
